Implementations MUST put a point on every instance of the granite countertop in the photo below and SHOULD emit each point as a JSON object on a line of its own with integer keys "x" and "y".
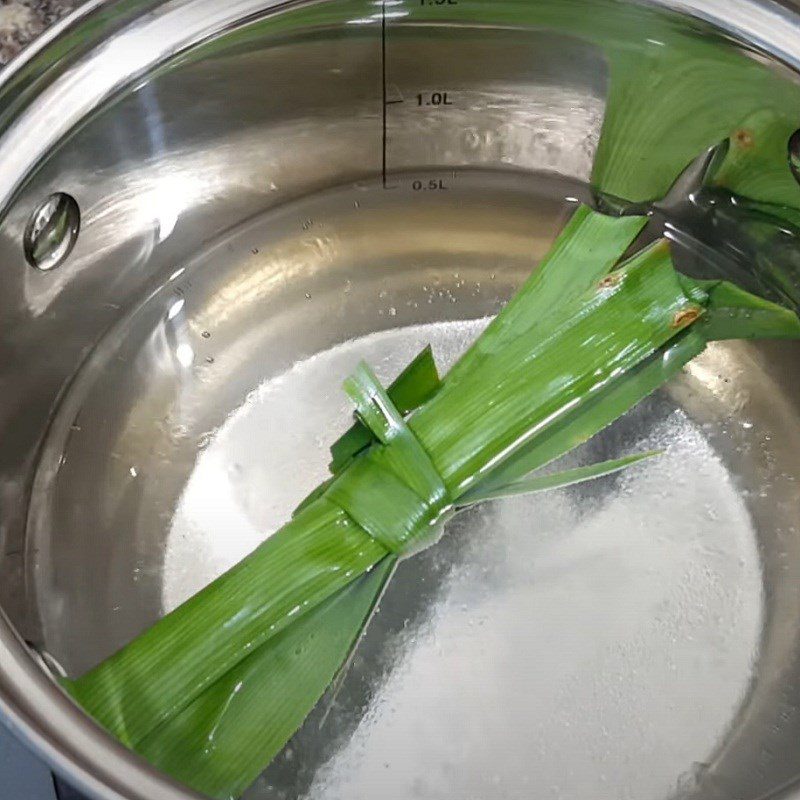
{"x": 21, "y": 21}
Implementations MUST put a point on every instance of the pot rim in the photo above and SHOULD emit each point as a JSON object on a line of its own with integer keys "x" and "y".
{"x": 111, "y": 43}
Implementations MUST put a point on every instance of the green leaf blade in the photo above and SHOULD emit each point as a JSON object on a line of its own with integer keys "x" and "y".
{"x": 159, "y": 673}
{"x": 669, "y": 104}
{"x": 606, "y": 406}
{"x": 734, "y": 313}
{"x": 416, "y": 384}
{"x": 479, "y": 420}
{"x": 558, "y": 480}
{"x": 220, "y": 743}
{"x": 583, "y": 254}
{"x": 757, "y": 164}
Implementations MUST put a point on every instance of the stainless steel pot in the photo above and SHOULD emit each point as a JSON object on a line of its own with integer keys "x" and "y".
{"x": 194, "y": 200}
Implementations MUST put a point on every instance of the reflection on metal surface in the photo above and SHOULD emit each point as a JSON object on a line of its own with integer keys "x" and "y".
{"x": 172, "y": 27}
{"x": 52, "y": 231}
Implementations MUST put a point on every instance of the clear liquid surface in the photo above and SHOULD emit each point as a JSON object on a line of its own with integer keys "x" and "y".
{"x": 599, "y": 636}
{"x": 603, "y": 640}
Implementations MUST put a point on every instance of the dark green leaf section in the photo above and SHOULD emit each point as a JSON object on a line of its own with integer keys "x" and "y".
{"x": 736, "y": 314}
{"x": 479, "y": 419}
{"x": 757, "y": 164}
{"x": 164, "y": 669}
{"x": 668, "y": 104}
{"x": 579, "y": 424}
{"x": 220, "y": 743}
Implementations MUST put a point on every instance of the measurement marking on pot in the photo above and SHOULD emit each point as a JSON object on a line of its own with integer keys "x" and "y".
{"x": 435, "y": 100}
{"x": 385, "y": 92}
{"x": 431, "y": 185}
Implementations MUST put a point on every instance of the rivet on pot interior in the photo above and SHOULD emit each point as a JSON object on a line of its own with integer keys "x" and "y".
{"x": 52, "y": 231}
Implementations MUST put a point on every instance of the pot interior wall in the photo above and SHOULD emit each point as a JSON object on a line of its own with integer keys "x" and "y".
{"x": 169, "y": 392}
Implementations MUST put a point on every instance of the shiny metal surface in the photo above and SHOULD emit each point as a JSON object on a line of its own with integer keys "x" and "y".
{"x": 228, "y": 175}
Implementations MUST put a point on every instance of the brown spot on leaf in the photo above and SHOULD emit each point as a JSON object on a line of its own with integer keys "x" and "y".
{"x": 743, "y": 138}
{"x": 686, "y": 316}
{"x": 610, "y": 281}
